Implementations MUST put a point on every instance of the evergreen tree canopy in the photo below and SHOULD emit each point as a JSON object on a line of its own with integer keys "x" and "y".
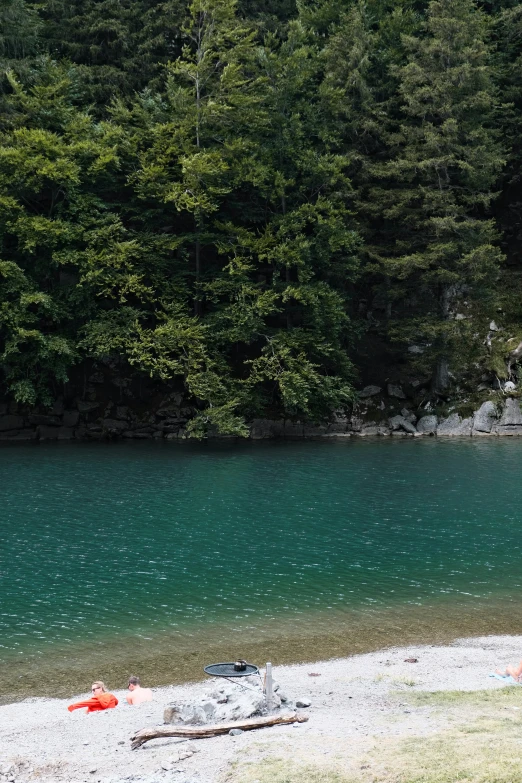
{"x": 212, "y": 192}
{"x": 431, "y": 193}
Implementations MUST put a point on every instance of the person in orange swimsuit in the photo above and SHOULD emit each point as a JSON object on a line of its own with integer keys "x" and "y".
{"x": 101, "y": 700}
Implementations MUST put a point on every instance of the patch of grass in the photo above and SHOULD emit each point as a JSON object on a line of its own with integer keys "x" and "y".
{"x": 280, "y": 771}
{"x": 483, "y": 745}
{"x": 487, "y": 753}
{"x": 503, "y": 697}
{"x": 405, "y": 681}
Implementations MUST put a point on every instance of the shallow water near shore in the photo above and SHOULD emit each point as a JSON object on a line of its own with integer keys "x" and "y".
{"x": 158, "y": 558}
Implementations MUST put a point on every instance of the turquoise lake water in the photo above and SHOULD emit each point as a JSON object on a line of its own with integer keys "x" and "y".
{"x": 158, "y": 558}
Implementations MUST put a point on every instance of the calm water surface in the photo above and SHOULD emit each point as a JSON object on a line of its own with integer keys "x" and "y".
{"x": 160, "y": 558}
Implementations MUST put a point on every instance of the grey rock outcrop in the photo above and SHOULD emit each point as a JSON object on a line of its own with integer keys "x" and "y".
{"x": 454, "y": 427}
{"x": 167, "y": 413}
{"x": 84, "y": 406}
{"x": 427, "y": 425}
{"x": 369, "y": 391}
{"x": 26, "y": 434}
{"x": 58, "y": 407}
{"x": 224, "y": 703}
{"x": 294, "y": 429}
{"x": 71, "y": 418}
{"x": 88, "y": 419}
{"x": 46, "y": 432}
{"x": 356, "y": 423}
{"x": 395, "y": 391}
{"x": 52, "y": 421}
{"x": 511, "y": 420}
{"x": 372, "y": 429}
{"x": 313, "y": 431}
{"x": 511, "y": 415}
{"x": 266, "y": 428}
{"x": 400, "y": 423}
{"x": 340, "y": 424}
{"x": 11, "y": 422}
{"x": 115, "y": 425}
{"x": 485, "y": 418}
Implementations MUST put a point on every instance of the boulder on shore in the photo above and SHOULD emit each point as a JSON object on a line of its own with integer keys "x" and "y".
{"x": 511, "y": 415}
{"x": 485, "y": 417}
{"x": 371, "y": 429}
{"x": 511, "y": 420}
{"x": 428, "y": 425}
{"x": 400, "y": 423}
{"x": 222, "y": 704}
{"x": 454, "y": 427}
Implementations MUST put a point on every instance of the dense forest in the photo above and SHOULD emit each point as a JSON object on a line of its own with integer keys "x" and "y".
{"x": 263, "y": 204}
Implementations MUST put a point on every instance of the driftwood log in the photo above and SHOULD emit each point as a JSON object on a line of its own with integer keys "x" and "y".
{"x": 200, "y": 732}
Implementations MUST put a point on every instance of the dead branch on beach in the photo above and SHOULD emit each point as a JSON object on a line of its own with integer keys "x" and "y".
{"x": 201, "y": 732}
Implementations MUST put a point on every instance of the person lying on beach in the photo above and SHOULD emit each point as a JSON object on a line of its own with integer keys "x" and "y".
{"x": 101, "y": 700}
{"x": 514, "y": 671}
{"x": 137, "y": 694}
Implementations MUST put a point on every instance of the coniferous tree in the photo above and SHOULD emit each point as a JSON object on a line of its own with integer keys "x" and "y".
{"x": 204, "y": 227}
{"x": 235, "y": 168}
{"x": 361, "y": 90}
{"x": 195, "y": 161}
{"x": 434, "y": 190}
{"x": 19, "y": 44}
{"x": 52, "y": 161}
{"x": 507, "y": 38}
{"x": 19, "y": 28}
{"x": 119, "y": 46}
{"x": 268, "y": 14}
{"x": 312, "y": 248}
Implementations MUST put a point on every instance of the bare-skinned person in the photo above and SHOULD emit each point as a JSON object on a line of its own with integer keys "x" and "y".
{"x": 137, "y": 694}
{"x": 100, "y": 700}
{"x": 514, "y": 671}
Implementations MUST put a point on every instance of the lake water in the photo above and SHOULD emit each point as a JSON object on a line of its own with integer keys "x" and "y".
{"x": 159, "y": 558}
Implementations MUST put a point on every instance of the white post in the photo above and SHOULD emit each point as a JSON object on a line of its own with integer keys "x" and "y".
{"x": 269, "y": 686}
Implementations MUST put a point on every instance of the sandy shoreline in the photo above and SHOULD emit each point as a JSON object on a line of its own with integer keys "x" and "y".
{"x": 359, "y": 699}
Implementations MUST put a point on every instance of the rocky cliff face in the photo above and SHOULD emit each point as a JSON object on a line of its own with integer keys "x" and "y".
{"x": 90, "y": 420}
{"x": 84, "y": 419}
{"x": 108, "y": 402}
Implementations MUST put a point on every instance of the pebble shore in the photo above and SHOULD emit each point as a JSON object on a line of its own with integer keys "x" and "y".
{"x": 349, "y": 700}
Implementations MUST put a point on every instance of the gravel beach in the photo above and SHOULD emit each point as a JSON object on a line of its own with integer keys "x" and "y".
{"x": 352, "y": 701}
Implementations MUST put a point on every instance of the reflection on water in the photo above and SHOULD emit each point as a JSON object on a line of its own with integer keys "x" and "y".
{"x": 163, "y": 557}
